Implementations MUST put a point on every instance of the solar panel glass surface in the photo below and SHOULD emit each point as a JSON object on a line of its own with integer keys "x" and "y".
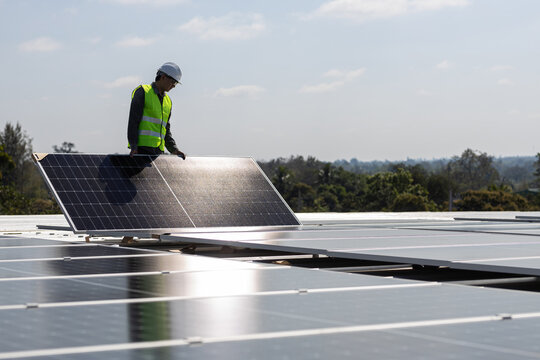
{"x": 119, "y": 192}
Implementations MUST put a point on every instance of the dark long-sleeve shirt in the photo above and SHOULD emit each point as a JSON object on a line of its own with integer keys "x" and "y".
{"x": 135, "y": 116}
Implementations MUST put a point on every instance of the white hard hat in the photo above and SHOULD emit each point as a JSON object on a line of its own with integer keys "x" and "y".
{"x": 171, "y": 69}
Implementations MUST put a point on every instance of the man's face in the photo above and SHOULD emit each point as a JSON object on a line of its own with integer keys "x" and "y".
{"x": 169, "y": 83}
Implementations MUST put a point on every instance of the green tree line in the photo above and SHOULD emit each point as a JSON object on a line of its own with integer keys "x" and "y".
{"x": 471, "y": 181}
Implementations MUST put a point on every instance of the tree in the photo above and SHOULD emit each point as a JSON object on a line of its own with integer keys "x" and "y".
{"x": 302, "y": 197}
{"x": 18, "y": 145}
{"x": 66, "y": 147}
{"x": 326, "y": 174}
{"x": 23, "y": 175}
{"x": 12, "y": 202}
{"x": 303, "y": 170}
{"x": 440, "y": 186}
{"x": 473, "y": 170}
{"x": 491, "y": 200}
{"x": 328, "y": 197}
{"x": 418, "y": 172}
{"x": 283, "y": 181}
{"x": 537, "y": 169}
{"x": 395, "y": 191}
{"x": 6, "y": 162}
{"x": 412, "y": 202}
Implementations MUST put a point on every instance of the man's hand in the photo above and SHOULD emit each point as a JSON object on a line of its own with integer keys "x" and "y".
{"x": 179, "y": 153}
{"x": 133, "y": 152}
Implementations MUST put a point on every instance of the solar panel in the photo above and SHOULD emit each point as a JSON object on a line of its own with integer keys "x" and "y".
{"x": 501, "y": 252}
{"x": 15, "y": 253}
{"x": 475, "y": 341}
{"x": 219, "y": 192}
{"x": 222, "y": 319}
{"x": 178, "y": 306}
{"x": 151, "y": 263}
{"x": 14, "y": 241}
{"x": 160, "y": 193}
{"x": 239, "y": 281}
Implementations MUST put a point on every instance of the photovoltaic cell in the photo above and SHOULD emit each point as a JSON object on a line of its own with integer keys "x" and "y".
{"x": 119, "y": 192}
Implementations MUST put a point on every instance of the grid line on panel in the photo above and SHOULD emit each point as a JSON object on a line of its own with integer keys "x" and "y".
{"x": 183, "y": 209}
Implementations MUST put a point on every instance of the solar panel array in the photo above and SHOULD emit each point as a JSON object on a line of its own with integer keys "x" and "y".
{"x": 122, "y": 193}
{"x": 499, "y": 247}
{"x": 135, "y": 304}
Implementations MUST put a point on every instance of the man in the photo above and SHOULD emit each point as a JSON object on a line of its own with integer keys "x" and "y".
{"x": 149, "y": 130}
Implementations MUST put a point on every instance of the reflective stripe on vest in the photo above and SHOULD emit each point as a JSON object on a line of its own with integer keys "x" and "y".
{"x": 153, "y": 125}
{"x": 150, "y": 133}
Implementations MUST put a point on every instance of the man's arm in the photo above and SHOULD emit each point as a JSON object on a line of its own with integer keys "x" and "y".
{"x": 135, "y": 116}
{"x": 170, "y": 144}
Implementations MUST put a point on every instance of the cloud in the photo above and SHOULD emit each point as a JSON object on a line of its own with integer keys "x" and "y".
{"x": 342, "y": 77}
{"x": 250, "y": 91}
{"x": 360, "y": 10}
{"x": 41, "y": 44}
{"x": 136, "y": 41}
{"x": 233, "y": 26}
{"x": 126, "y": 81}
{"x": 443, "y": 65}
{"x": 345, "y": 75}
{"x": 322, "y": 87}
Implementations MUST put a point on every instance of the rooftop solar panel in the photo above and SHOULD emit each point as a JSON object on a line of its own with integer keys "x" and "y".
{"x": 152, "y": 262}
{"x": 218, "y": 282}
{"x": 474, "y": 341}
{"x": 461, "y": 250}
{"x": 17, "y": 241}
{"x": 119, "y": 192}
{"x": 218, "y": 192}
{"x": 63, "y": 251}
{"x": 280, "y": 315}
{"x": 178, "y": 306}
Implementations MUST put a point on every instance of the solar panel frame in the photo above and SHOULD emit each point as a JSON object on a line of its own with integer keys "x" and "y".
{"x": 80, "y": 205}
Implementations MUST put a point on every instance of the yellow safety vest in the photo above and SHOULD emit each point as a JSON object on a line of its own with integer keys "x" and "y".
{"x": 153, "y": 125}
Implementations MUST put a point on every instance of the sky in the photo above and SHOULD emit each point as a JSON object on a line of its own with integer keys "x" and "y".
{"x": 333, "y": 79}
